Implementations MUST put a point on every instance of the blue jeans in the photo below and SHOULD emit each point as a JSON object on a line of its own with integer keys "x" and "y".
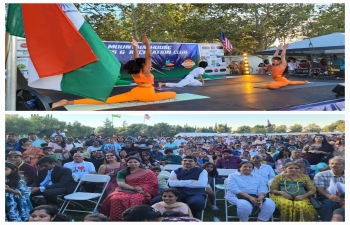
{"x": 328, "y": 207}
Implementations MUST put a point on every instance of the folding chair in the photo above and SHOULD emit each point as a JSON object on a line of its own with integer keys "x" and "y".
{"x": 221, "y": 187}
{"x": 86, "y": 196}
{"x": 172, "y": 167}
{"x": 205, "y": 206}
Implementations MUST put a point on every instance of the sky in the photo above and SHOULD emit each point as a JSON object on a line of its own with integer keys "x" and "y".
{"x": 201, "y": 119}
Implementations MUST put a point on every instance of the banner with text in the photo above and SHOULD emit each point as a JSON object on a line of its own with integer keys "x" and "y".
{"x": 168, "y": 59}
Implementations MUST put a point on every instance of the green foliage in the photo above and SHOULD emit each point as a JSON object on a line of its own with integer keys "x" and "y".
{"x": 243, "y": 129}
{"x": 296, "y": 128}
{"x": 281, "y": 129}
{"x": 46, "y": 124}
{"x": 313, "y": 128}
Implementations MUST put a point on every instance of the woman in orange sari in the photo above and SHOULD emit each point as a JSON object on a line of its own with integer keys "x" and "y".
{"x": 279, "y": 65}
{"x": 31, "y": 154}
{"x": 140, "y": 70}
{"x": 136, "y": 186}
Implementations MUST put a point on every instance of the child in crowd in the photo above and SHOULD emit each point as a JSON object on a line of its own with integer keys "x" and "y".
{"x": 162, "y": 179}
{"x": 212, "y": 174}
{"x": 17, "y": 203}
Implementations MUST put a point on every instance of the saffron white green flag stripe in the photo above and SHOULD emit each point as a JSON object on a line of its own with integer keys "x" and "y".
{"x": 94, "y": 80}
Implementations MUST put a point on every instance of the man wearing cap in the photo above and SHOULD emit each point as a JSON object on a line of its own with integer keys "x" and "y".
{"x": 93, "y": 138}
{"x": 179, "y": 140}
{"x": 11, "y": 143}
{"x": 143, "y": 145}
{"x": 228, "y": 161}
{"x": 58, "y": 132}
{"x": 27, "y": 171}
{"x": 156, "y": 154}
{"x": 35, "y": 141}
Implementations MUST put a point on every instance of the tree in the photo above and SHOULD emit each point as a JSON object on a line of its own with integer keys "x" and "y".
{"x": 313, "y": 127}
{"x": 46, "y": 125}
{"x": 327, "y": 19}
{"x": 243, "y": 129}
{"x": 159, "y": 129}
{"x": 296, "y": 128}
{"x": 19, "y": 125}
{"x": 107, "y": 129}
{"x": 340, "y": 127}
{"x": 281, "y": 129}
{"x": 259, "y": 129}
{"x": 332, "y": 127}
{"x": 78, "y": 130}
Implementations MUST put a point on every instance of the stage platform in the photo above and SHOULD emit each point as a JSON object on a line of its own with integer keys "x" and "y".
{"x": 238, "y": 93}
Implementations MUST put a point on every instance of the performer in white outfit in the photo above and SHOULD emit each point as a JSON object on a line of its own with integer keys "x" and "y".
{"x": 246, "y": 190}
{"x": 190, "y": 79}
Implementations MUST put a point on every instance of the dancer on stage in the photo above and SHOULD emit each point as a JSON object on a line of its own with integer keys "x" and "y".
{"x": 190, "y": 79}
{"x": 140, "y": 70}
{"x": 279, "y": 65}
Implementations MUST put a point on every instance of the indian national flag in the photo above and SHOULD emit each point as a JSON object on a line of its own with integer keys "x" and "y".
{"x": 65, "y": 53}
{"x": 117, "y": 115}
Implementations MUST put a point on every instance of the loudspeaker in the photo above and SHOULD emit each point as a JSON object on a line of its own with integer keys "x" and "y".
{"x": 339, "y": 90}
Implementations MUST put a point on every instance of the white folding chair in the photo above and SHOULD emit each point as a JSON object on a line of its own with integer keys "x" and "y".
{"x": 165, "y": 173}
{"x": 221, "y": 187}
{"x": 86, "y": 196}
{"x": 172, "y": 167}
{"x": 205, "y": 206}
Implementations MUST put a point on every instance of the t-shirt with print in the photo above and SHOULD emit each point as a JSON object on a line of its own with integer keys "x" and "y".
{"x": 80, "y": 168}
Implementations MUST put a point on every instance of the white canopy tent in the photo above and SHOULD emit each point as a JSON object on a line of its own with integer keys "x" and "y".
{"x": 326, "y": 44}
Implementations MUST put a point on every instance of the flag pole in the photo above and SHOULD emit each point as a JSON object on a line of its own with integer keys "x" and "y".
{"x": 112, "y": 122}
{"x": 11, "y": 75}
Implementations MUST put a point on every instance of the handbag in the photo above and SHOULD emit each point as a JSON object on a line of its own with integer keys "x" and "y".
{"x": 316, "y": 203}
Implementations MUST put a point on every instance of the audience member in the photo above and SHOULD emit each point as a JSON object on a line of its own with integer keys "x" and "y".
{"x": 28, "y": 172}
{"x": 246, "y": 191}
{"x": 11, "y": 143}
{"x": 136, "y": 186}
{"x": 265, "y": 171}
{"x": 169, "y": 203}
{"x": 326, "y": 182}
{"x": 47, "y": 213}
{"x": 228, "y": 161}
{"x": 111, "y": 167}
{"x": 52, "y": 181}
{"x": 190, "y": 181}
{"x": 291, "y": 191}
{"x": 145, "y": 213}
{"x": 17, "y": 203}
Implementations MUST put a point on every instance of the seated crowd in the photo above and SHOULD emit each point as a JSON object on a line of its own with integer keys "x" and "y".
{"x": 274, "y": 174}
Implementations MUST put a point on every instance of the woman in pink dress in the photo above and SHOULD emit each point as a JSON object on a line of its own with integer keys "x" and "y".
{"x": 111, "y": 166}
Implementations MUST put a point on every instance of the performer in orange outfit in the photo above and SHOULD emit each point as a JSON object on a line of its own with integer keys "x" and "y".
{"x": 140, "y": 70}
{"x": 279, "y": 65}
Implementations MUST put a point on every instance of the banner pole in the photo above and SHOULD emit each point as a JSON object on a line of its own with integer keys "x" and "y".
{"x": 11, "y": 73}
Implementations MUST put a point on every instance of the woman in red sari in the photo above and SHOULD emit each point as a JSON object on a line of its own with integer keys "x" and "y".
{"x": 136, "y": 186}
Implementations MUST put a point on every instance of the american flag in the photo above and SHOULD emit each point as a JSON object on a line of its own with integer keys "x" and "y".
{"x": 147, "y": 117}
{"x": 226, "y": 42}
